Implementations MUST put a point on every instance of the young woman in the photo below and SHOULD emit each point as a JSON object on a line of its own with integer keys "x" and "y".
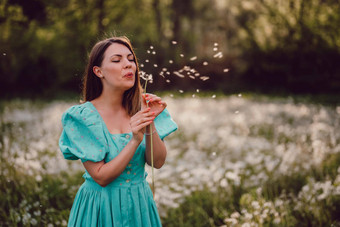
{"x": 110, "y": 132}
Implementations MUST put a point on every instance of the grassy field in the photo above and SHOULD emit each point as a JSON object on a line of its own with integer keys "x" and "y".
{"x": 239, "y": 160}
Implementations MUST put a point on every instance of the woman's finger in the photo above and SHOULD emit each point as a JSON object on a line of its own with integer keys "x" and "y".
{"x": 142, "y": 125}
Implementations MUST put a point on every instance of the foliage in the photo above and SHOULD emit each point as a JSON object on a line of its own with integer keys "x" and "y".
{"x": 268, "y": 45}
{"x": 283, "y": 200}
{"x": 35, "y": 200}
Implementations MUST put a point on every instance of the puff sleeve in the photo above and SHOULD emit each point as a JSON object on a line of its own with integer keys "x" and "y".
{"x": 164, "y": 124}
{"x": 83, "y": 135}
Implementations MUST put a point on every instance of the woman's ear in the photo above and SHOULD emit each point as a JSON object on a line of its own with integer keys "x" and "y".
{"x": 97, "y": 71}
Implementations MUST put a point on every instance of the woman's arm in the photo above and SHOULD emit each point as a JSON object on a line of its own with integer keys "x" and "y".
{"x": 104, "y": 173}
{"x": 159, "y": 149}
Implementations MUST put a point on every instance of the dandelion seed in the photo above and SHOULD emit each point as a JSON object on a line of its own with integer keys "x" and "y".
{"x": 215, "y": 49}
{"x": 193, "y": 95}
{"x": 215, "y": 44}
{"x": 180, "y": 91}
{"x": 214, "y": 154}
{"x": 148, "y": 52}
{"x": 4, "y": 54}
{"x": 197, "y": 90}
{"x": 182, "y": 55}
{"x": 225, "y": 70}
{"x": 168, "y": 81}
{"x": 218, "y": 55}
{"x": 237, "y": 112}
{"x": 193, "y": 58}
{"x": 164, "y": 69}
{"x": 197, "y": 74}
{"x": 239, "y": 95}
{"x": 171, "y": 61}
{"x": 171, "y": 95}
{"x": 205, "y": 63}
{"x": 174, "y": 42}
{"x": 204, "y": 78}
{"x": 178, "y": 74}
{"x": 213, "y": 96}
{"x": 192, "y": 77}
{"x": 153, "y": 52}
{"x": 151, "y": 47}
{"x": 155, "y": 65}
{"x": 147, "y": 60}
{"x": 162, "y": 74}
{"x": 167, "y": 73}
{"x": 141, "y": 65}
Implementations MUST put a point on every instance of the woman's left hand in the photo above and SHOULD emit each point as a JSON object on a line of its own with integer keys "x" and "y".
{"x": 154, "y": 102}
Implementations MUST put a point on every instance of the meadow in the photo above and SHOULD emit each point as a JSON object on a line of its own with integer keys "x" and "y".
{"x": 238, "y": 160}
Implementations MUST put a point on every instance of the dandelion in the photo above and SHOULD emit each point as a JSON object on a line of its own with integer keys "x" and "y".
{"x": 218, "y": 55}
{"x": 204, "y": 78}
{"x": 178, "y": 74}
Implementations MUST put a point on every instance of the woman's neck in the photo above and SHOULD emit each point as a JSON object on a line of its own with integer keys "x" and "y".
{"x": 110, "y": 100}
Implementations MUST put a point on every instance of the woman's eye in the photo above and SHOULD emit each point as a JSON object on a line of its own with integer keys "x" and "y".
{"x": 115, "y": 60}
{"x": 132, "y": 59}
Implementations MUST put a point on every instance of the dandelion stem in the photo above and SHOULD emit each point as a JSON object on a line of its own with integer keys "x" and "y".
{"x": 151, "y": 149}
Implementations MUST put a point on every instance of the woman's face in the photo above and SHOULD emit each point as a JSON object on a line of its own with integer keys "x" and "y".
{"x": 118, "y": 68}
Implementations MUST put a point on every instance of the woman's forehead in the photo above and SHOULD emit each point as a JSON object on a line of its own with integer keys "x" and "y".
{"x": 117, "y": 49}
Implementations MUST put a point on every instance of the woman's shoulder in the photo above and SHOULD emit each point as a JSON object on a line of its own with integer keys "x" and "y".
{"x": 79, "y": 112}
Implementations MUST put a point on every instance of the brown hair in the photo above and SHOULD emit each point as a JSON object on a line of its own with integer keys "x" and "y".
{"x": 92, "y": 85}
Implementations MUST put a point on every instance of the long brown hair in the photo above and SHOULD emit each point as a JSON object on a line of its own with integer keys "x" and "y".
{"x": 92, "y": 85}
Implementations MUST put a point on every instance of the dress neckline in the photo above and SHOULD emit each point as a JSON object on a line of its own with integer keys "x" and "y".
{"x": 103, "y": 122}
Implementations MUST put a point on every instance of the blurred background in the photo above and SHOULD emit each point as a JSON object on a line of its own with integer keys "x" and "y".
{"x": 253, "y": 85}
{"x": 268, "y": 46}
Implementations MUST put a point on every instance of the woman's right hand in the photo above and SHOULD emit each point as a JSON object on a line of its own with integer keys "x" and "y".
{"x": 139, "y": 121}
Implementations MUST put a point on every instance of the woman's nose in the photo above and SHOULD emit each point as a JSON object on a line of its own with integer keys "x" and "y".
{"x": 128, "y": 63}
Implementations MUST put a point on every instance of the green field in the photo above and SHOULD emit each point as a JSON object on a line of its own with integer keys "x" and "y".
{"x": 235, "y": 161}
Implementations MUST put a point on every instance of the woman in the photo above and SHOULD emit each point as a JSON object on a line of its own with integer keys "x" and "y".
{"x": 110, "y": 132}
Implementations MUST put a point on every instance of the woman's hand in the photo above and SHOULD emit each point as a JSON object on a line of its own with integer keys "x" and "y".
{"x": 154, "y": 102}
{"x": 139, "y": 121}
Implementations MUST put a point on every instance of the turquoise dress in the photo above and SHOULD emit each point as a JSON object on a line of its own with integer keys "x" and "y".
{"x": 126, "y": 201}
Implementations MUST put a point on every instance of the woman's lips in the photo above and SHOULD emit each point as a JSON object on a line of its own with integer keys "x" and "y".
{"x": 129, "y": 75}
